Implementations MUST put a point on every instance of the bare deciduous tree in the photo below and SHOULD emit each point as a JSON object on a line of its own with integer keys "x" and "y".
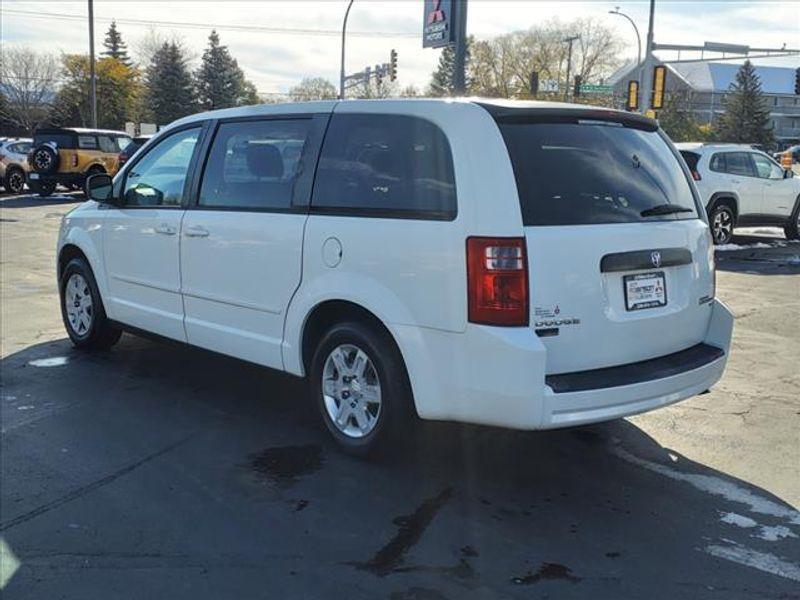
{"x": 27, "y": 81}
{"x": 313, "y": 88}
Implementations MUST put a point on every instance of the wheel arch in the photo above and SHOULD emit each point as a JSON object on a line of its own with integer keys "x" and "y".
{"x": 77, "y": 243}
{"x": 730, "y": 199}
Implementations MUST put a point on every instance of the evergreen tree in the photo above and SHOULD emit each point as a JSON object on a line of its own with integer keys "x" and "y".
{"x": 746, "y": 118}
{"x": 677, "y": 119}
{"x": 171, "y": 92}
{"x": 115, "y": 46}
{"x": 220, "y": 81}
{"x": 442, "y": 78}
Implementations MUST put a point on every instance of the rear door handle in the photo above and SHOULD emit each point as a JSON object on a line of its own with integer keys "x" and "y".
{"x": 165, "y": 229}
{"x": 198, "y": 232}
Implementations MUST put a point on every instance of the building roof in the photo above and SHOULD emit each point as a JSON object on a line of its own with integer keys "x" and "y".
{"x": 718, "y": 77}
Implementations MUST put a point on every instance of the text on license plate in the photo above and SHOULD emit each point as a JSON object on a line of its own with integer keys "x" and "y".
{"x": 645, "y": 290}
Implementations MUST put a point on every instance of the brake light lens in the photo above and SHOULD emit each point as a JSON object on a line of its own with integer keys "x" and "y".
{"x": 74, "y": 160}
{"x": 497, "y": 281}
{"x": 696, "y": 176}
{"x": 2, "y": 156}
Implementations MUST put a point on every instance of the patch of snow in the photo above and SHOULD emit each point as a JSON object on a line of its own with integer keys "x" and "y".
{"x": 26, "y": 407}
{"x": 739, "y": 520}
{"x": 773, "y": 534}
{"x": 762, "y": 561}
{"x": 55, "y": 361}
{"x": 728, "y": 247}
{"x": 717, "y": 487}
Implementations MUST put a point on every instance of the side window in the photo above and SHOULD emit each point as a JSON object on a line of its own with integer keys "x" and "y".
{"x": 254, "y": 164}
{"x": 386, "y": 164}
{"x": 159, "y": 177}
{"x": 87, "y": 142}
{"x": 122, "y": 142}
{"x": 738, "y": 163}
{"x": 718, "y": 163}
{"x": 767, "y": 169}
{"x": 107, "y": 143}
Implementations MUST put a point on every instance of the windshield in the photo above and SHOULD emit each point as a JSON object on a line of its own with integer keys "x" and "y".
{"x": 589, "y": 172}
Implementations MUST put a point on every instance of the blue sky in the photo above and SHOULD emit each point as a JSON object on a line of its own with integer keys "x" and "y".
{"x": 276, "y": 60}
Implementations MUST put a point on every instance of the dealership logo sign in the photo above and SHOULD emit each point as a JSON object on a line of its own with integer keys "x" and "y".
{"x": 438, "y": 24}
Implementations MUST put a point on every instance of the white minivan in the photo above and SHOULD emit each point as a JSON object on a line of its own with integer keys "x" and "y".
{"x": 517, "y": 264}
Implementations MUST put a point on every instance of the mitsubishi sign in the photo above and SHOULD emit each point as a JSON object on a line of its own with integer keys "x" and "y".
{"x": 439, "y": 25}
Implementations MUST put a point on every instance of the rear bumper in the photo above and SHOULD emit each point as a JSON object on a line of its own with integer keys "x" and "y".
{"x": 496, "y": 376}
{"x": 63, "y": 178}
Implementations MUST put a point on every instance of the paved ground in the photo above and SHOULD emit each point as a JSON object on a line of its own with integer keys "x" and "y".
{"x": 158, "y": 471}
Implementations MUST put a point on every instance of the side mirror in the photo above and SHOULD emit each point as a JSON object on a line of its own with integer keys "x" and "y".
{"x": 788, "y": 174}
{"x": 100, "y": 188}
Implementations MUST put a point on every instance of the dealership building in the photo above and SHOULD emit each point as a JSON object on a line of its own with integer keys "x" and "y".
{"x": 707, "y": 86}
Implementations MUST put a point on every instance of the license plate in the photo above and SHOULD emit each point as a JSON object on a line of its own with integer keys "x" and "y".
{"x": 645, "y": 290}
{"x": 33, "y": 176}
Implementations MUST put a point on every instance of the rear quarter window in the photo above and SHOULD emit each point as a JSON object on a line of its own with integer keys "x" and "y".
{"x": 582, "y": 173}
{"x": 62, "y": 140}
{"x": 385, "y": 166}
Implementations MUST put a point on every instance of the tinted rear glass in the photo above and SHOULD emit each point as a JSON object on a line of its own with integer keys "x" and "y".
{"x": 589, "y": 173}
{"x": 62, "y": 140}
{"x": 691, "y": 159}
{"x": 386, "y": 165}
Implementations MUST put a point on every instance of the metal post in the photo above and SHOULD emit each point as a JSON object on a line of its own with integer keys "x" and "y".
{"x": 92, "y": 77}
{"x": 649, "y": 62}
{"x": 616, "y": 11}
{"x": 570, "y": 41}
{"x": 460, "y": 63}
{"x": 344, "y": 32}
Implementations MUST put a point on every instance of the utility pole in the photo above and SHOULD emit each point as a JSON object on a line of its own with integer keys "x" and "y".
{"x": 649, "y": 63}
{"x": 570, "y": 41}
{"x": 344, "y": 33}
{"x": 460, "y": 64}
{"x": 92, "y": 77}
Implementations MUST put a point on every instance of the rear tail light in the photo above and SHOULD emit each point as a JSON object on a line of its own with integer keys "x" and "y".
{"x": 696, "y": 176}
{"x": 74, "y": 160}
{"x": 497, "y": 281}
{"x": 2, "y": 156}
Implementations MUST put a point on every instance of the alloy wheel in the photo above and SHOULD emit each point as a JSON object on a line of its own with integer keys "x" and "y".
{"x": 722, "y": 226}
{"x": 16, "y": 181}
{"x": 351, "y": 391}
{"x": 78, "y": 304}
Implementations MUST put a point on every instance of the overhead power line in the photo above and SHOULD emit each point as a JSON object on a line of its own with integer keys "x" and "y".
{"x": 219, "y": 26}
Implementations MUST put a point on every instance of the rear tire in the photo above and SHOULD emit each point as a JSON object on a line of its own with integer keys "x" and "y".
{"x": 722, "y": 220}
{"x": 15, "y": 180}
{"x": 82, "y": 309}
{"x": 792, "y": 230}
{"x": 43, "y": 188}
{"x": 361, "y": 389}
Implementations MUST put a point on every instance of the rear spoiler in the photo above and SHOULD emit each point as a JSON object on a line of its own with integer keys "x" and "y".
{"x": 568, "y": 114}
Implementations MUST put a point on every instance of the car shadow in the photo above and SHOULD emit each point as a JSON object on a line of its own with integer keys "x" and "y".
{"x": 34, "y": 200}
{"x": 196, "y": 475}
{"x": 759, "y": 255}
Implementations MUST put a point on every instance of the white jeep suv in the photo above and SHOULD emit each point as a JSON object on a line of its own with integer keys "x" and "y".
{"x": 740, "y": 186}
{"x": 526, "y": 265}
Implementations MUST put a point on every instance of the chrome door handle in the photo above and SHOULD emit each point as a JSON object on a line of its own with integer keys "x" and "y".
{"x": 199, "y": 232}
{"x": 165, "y": 230}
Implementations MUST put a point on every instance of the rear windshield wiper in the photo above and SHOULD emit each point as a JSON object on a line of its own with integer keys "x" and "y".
{"x": 664, "y": 209}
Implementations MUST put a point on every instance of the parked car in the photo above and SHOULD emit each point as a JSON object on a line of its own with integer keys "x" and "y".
{"x": 740, "y": 186}
{"x": 131, "y": 148}
{"x": 14, "y": 163}
{"x": 524, "y": 265}
{"x": 67, "y": 156}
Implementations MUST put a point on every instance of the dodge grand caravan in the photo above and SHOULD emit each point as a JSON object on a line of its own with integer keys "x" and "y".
{"x": 525, "y": 265}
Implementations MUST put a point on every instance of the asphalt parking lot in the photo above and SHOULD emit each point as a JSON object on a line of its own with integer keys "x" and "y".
{"x": 160, "y": 471}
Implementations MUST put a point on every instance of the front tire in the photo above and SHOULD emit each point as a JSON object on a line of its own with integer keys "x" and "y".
{"x": 361, "y": 388}
{"x": 43, "y": 188}
{"x": 722, "y": 221}
{"x": 82, "y": 309}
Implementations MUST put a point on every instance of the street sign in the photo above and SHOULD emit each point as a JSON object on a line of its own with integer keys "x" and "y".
{"x": 548, "y": 85}
{"x": 439, "y": 23}
{"x": 633, "y": 95}
{"x": 659, "y": 84}
{"x": 596, "y": 89}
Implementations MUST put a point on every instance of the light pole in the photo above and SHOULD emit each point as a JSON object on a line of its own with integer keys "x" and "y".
{"x": 616, "y": 11}
{"x": 93, "y": 79}
{"x": 649, "y": 63}
{"x": 344, "y": 32}
{"x": 570, "y": 41}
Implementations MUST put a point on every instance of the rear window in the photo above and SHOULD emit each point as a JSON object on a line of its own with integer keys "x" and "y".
{"x": 385, "y": 166}
{"x": 691, "y": 159}
{"x": 589, "y": 173}
{"x": 62, "y": 140}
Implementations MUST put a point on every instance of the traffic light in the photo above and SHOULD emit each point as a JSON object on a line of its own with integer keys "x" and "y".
{"x": 577, "y": 89}
{"x": 534, "y": 83}
{"x": 393, "y": 65}
{"x": 659, "y": 81}
{"x": 633, "y": 95}
{"x": 379, "y": 76}
{"x": 797, "y": 81}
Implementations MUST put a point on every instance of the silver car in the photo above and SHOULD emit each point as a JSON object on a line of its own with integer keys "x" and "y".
{"x": 14, "y": 163}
